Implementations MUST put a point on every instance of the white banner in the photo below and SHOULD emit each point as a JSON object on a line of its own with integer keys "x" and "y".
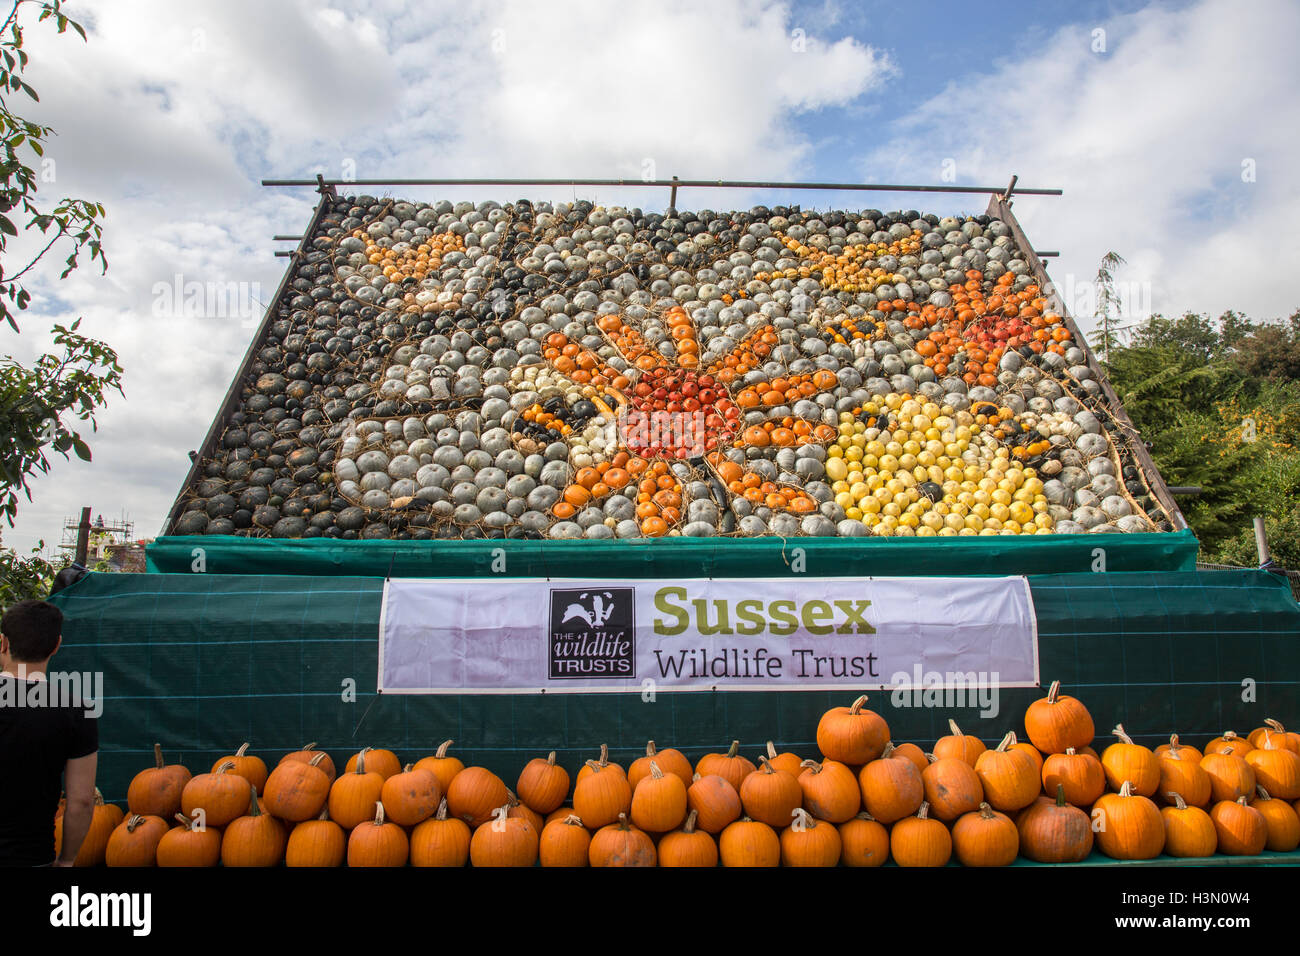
{"x": 527, "y": 635}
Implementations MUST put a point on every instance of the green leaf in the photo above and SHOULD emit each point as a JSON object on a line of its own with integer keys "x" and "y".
{"x": 82, "y": 449}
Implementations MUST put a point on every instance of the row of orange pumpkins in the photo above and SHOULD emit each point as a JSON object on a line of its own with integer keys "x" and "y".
{"x": 1050, "y": 799}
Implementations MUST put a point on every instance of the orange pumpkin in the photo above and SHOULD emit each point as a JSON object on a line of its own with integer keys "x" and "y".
{"x": 809, "y": 842}
{"x": 565, "y": 843}
{"x": 852, "y": 735}
{"x": 920, "y": 840}
{"x": 749, "y": 843}
{"x": 157, "y": 791}
{"x": 621, "y": 844}
{"x": 958, "y": 745}
{"x": 864, "y": 842}
{"x": 730, "y": 766}
{"x": 440, "y": 841}
{"x": 1058, "y": 721}
{"x": 688, "y": 847}
{"x": 442, "y": 766}
{"x": 316, "y": 843}
{"x": 543, "y": 784}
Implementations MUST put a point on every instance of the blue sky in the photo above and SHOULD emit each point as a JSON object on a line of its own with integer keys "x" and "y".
{"x": 1175, "y": 146}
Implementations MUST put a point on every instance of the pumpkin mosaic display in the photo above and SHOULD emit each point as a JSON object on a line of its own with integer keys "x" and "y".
{"x": 539, "y": 370}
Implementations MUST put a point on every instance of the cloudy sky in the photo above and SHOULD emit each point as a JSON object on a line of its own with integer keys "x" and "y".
{"x": 1172, "y": 127}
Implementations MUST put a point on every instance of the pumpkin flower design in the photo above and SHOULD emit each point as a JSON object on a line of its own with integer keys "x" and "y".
{"x": 816, "y": 389}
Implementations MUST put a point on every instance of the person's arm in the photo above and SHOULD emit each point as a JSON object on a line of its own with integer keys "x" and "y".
{"x": 79, "y": 782}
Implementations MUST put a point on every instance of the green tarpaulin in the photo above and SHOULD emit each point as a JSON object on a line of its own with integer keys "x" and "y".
{"x": 680, "y": 557}
{"x": 204, "y": 662}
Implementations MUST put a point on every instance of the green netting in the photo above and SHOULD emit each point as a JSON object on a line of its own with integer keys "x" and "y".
{"x": 204, "y": 662}
{"x": 679, "y": 557}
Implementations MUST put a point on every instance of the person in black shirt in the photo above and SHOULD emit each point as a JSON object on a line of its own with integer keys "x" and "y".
{"x": 42, "y": 739}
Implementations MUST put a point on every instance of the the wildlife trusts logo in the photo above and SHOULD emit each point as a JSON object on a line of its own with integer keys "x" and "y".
{"x": 593, "y": 633}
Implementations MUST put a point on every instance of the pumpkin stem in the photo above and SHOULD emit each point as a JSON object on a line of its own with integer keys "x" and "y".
{"x": 99, "y": 798}
{"x": 1179, "y": 802}
{"x": 226, "y": 767}
{"x": 1006, "y": 742}
{"x": 932, "y": 758}
{"x": 1121, "y": 734}
{"x": 689, "y": 825}
{"x": 1060, "y": 794}
{"x": 573, "y": 820}
{"x": 324, "y": 813}
{"x": 771, "y": 750}
{"x": 1263, "y": 794}
{"x": 1071, "y": 752}
{"x": 800, "y": 814}
{"x": 1275, "y": 724}
{"x": 812, "y": 765}
{"x": 361, "y": 760}
{"x": 986, "y": 812}
{"x": 622, "y": 822}
{"x": 134, "y": 822}
{"x": 655, "y": 772}
{"x": 1173, "y": 742}
{"x": 157, "y": 757}
{"x": 694, "y": 777}
{"x": 763, "y": 764}
{"x": 1242, "y": 800}
{"x": 442, "y": 809}
{"x": 864, "y": 815}
{"x": 604, "y": 755}
{"x": 550, "y": 759}
{"x": 407, "y": 768}
{"x": 888, "y": 751}
{"x": 253, "y": 809}
{"x": 315, "y": 761}
{"x": 1054, "y": 692}
{"x": 186, "y": 822}
{"x": 732, "y": 750}
{"x": 441, "y": 752}
{"x": 650, "y": 748}
{"x": 924, "y": 812}
{"x": 1126, "y": 789}
{"x": 952, "y": 726}
{"x": 379, "y": 813}
{"x": 594, "y": 767}
{"x": 857, "y": 705}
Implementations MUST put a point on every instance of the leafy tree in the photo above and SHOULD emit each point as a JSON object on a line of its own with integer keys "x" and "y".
{"x": 73, "y": 383}
{"x": 1107, "y": 335}
{"x": 1282, "y": 531}
{"x": 31, "y": 577}
{"x": 1219, "y": 401}
{"x": 32, "y": 400}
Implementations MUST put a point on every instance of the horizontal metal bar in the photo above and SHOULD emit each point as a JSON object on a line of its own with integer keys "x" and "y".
{"x": 700, "y": 183}
{"x": 1189, "y": 491}
{"x": 287, "y": 238}
{"x": 1046, "y": 255}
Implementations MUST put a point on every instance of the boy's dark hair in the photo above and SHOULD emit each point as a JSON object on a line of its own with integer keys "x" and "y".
{"x": 33, "y": 628}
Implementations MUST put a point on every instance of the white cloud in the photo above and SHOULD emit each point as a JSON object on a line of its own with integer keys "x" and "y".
{"x": 1148, "y": 141}
{"x": 171, "y": 113}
